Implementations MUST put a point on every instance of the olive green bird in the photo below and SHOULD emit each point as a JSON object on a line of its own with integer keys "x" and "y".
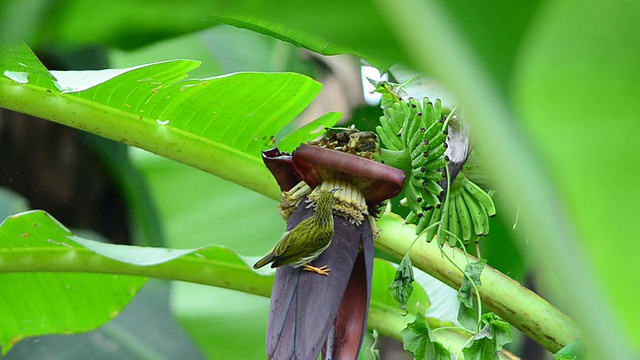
{"x": 305, "y": 242}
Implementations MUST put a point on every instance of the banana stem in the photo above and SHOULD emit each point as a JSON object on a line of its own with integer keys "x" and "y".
{"x": 516, "y": 304}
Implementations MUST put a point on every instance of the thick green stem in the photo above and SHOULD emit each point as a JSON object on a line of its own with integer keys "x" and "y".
{"x": 196, "y": 270}
{"x": 516, "y": 304}
{"x": 186, "y": 268}
{"x": 173, "y": 143}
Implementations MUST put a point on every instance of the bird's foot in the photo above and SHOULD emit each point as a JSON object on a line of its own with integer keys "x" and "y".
{"x": 322, "y": 270}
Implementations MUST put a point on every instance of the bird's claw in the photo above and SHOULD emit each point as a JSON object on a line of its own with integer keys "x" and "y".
{"x": 321, "y": 270}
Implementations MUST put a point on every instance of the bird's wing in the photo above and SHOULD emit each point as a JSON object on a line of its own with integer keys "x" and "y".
{"x": 283, "y": 244}
{"x": 324, "y": 236}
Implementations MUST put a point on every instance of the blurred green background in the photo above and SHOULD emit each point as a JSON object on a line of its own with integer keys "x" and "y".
{"x": 564, "y": 74}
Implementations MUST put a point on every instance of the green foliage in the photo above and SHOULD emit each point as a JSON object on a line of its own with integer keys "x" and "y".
{"x": 472, "y": 277}
{"x": 421, "y": 341}
{"x": 61, "y": 303}
{"x": 401, "y": 287}
{"x": 308, "y": 132}
{"x": 37, "y": 242}
{"x": 502, "y": 60}
{"x": 416, "y": 301}
{"x": 49, "y": 303}
{"x": 217, "y": 123}
{"x": 469, "y": 306}
{"x": 487, "y": 342}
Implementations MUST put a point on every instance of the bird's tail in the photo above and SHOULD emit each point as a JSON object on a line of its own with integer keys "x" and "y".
{"x": 264, "y": 261}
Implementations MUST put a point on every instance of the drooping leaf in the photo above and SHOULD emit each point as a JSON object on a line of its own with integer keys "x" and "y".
{"x": 216, "y": 124}
{"x": 402, "y": 285}
{"x": 468, "y": 309}
{"x": 419, "y": 339}
{"x": 35, "y": 237}
{"x": 383, "y": 275}
{"x": 490, "y": 340}
{"x": 473, "y": 270}
{"x": 468, "y": 316}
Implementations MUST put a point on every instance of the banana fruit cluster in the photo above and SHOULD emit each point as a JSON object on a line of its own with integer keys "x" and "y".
{"x": 417, "y": 132}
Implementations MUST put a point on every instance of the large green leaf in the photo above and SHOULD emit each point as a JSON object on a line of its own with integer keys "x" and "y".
{"x": 145, "y": 329}
{"x": 33, "y": 241}
{"x": 337, "y": 27}
{"x": 81, "y": 303}
{"x": 357, "y": 27}
{"x": 52, "y": 247}
{"x": 48, "y": 303}
{"x": 216, "y": 124}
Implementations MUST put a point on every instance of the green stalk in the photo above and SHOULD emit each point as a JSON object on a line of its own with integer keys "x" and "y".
{"x": 185, "y": 268}
{"x": 514, "y": 303}
{"x": 212, "y": 157}
{"x": 507, "y": 298}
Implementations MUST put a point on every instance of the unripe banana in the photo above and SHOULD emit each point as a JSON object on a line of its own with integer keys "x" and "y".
{"x": 390, "y": 133}
{"x": 386, "y": 139}
{"x": 428, "y": 185}
{"x": 480, "y": 195}
{"x": 412, "y": 218}
{"x": 437, "y": 139}
{"x": 433, "y": 131}
{"x": 464, "y": 217}
{"x": 434, "y": 223}
{"x": 423, "y": 222}
{"x": 434, "y": 175}
{"x": 442, "y": 236}
{"x": 437, "y": 152}
{"x": 418, "y": 129}
{"x": 415, "y": 201}
{"x": 417, "y": 137}
{"x": 475, "y": 210}
{"x": 454, "y": 223}
{"x": 436, "y": 164}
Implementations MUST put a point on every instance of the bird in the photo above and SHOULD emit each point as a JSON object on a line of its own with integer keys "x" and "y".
{"x": 307, "y": 240}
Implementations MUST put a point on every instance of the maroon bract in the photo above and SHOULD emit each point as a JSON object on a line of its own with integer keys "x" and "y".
{"x": 311, "y": 313}
{"x": 376, "y": 181}
{"x": 281, "y": 167}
